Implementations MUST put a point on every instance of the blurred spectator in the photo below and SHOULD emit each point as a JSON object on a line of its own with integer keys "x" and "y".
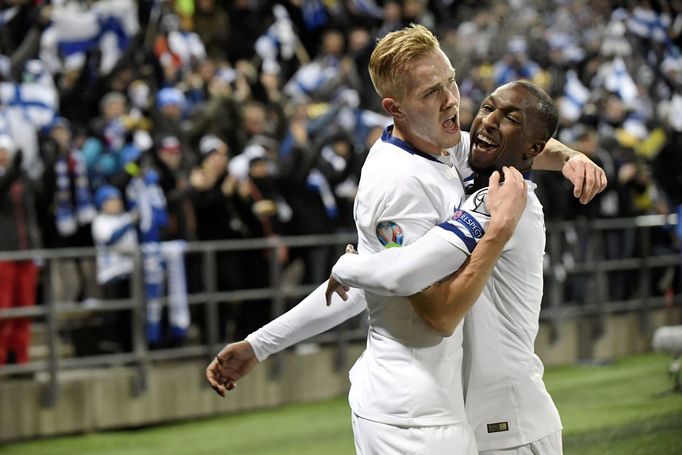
{"x": 66, "y": 214}
{"x": 246, "y": 25}
{"x": 114, "y": 232}
{"x": 393, "y": 18}
{"x": 310, "y": 172}
{"x": 173, "y": 166}
{"x": 516, "y": 63}
{"x": 26, "y": 107}
{"x": 214, "y": 202}
{"x": 264, "y": 213}
{"x": 327, "y": 75}
{"x": 360, "y": 46}
{"x": 212, "y": 24}
{"x": 170, "y": 111}
{"x": 177, "y": 49}
{"x": 19, "y": 228}
{"x": 416, "y": 11}
{"x": 667, "y": 168}
{"x": 145, "y": 196}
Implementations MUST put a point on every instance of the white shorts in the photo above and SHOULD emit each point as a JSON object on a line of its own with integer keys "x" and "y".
{"x": 374, "y": 438}
{"x": 549, "y": 445}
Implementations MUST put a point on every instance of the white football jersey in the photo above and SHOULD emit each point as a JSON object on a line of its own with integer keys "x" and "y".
{"x": 506, "y": 401}
{"x": 408, "y": 374}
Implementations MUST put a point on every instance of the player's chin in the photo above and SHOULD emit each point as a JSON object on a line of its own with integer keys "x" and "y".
{"x": 450, "y": 139}
{"x": 482, "y": 158}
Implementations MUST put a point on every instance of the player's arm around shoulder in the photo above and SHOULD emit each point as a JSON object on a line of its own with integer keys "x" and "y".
{"x": 443, "y": 305}
{"x": 587, "y": 177}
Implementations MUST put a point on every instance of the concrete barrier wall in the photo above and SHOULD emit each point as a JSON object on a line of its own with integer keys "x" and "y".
{"x": 102, "y": 399}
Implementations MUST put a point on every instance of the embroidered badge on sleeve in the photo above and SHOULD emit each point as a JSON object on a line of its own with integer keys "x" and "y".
{"x": 389, "y": 234}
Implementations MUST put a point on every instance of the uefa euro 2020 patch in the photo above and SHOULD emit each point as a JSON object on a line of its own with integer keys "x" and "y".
{"x": 389, "y": 234}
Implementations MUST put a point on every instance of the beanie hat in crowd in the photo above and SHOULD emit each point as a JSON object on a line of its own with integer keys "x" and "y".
{"x": 104, "y": 193}
{"x": 60, "y": 122}
{"x": 170, "y": 96}
{"x": 170, "y": 144}
{"x": 209, "y": 144}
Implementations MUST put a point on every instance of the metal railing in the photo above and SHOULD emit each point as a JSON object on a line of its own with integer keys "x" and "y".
{"x": 556, "y": 309}
{"x": 597, "y": 269}
{"x": 53, "y": 312}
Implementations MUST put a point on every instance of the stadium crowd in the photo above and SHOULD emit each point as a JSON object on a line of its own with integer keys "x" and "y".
{"x": 154, "y": 123}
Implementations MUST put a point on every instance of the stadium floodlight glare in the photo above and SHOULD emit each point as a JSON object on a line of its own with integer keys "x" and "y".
{"x": 668, "y": 339}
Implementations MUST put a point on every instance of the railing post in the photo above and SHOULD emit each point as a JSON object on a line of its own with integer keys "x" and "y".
{"x": 277, "y": 304}
{"x": 51, "y": 392}
{"x": 212, "y": 318}
{"x": 645, "y": 280}
{"x": 601, "y": 281}
{"x": 139, "y": 317}
{"x": 558, "y": 277}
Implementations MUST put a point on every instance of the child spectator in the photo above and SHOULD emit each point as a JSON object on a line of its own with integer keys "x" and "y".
{"x": 114, "y": 233}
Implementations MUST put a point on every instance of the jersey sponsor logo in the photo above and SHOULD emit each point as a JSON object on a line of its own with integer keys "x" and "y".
{"x": 497, "y": 427}
{"x": 469, "y": 222}
{"x": 389, "y": 234}
{"x": 479, "y": 202}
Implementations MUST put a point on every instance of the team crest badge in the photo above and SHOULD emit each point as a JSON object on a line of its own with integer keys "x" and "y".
{"x": 389, "y": 234}
{"x": 479, "y": 202}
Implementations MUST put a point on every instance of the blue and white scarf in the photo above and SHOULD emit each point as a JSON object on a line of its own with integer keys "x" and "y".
{"x": 68, "y": 217}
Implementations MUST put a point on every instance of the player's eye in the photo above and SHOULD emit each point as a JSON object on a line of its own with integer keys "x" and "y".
{"x": 486, "y": 108}
{"x": 513, "y": 119}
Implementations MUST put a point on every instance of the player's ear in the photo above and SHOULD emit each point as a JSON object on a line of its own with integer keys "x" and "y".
{"x": 393, "y": 108}
{"x": 535, "y": 149}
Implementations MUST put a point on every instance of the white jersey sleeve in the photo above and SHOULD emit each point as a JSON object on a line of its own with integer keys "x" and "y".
{"x": 408, "y": 270}
{"x": 400, "y": 271}
{"x": 468, "y": 224}
{"x": 310, "y": 317}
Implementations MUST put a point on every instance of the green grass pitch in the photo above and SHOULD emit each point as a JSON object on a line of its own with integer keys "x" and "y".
{"x": 625, "y": 408}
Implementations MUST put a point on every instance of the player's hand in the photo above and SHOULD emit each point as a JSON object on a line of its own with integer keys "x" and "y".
{"x": 334, "y": 286}
{"x": 506, "y": 202}
{"x": 231, "y": 364}
{"x": 587, "y": 178}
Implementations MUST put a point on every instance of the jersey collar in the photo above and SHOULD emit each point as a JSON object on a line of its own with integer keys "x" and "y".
{"x": 387, "y": 136}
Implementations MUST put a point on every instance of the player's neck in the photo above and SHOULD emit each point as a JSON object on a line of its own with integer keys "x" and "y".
{"x": 481, "y": 179}
{"x": 414, "y": 141}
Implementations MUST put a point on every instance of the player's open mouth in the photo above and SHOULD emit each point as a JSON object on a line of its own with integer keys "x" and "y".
{"x": 484, "y": 143}
{"x": 451, "y": 125}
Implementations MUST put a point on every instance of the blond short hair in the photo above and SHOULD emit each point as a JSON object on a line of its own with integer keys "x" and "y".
{"x": 394, "y": 53}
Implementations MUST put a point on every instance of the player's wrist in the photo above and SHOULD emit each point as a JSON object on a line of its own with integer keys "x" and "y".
{"x": 499, "y": 231}
{"x": 258, "y": 348}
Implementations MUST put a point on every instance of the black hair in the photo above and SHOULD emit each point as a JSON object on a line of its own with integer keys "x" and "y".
{"x": 544, "y": 106}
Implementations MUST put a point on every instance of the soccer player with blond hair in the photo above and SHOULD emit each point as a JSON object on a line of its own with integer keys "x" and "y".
{"x": 406, "y": 393}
